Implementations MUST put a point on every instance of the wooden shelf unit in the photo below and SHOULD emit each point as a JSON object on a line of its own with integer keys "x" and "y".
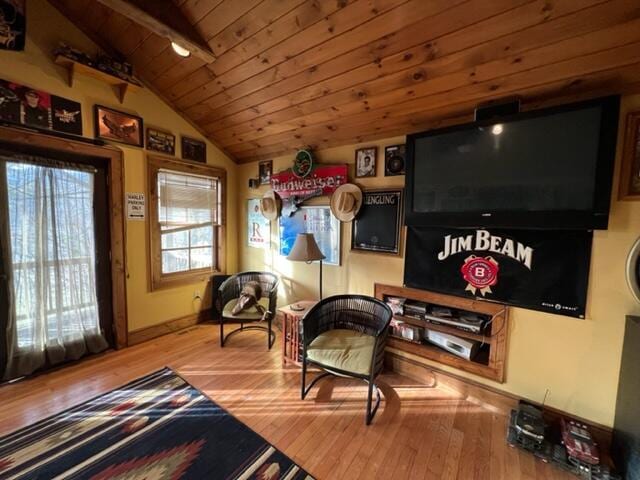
{"x": 122, "y": 86}
{"x": 490, "y": 361}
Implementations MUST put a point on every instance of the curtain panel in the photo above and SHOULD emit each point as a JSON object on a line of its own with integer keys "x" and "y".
{"x": 49, "y": 260}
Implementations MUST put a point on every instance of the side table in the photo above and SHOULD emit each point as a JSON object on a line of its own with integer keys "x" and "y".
{"x": 291, "y": 332}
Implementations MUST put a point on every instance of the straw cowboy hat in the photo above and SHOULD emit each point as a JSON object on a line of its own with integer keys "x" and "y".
{"x": 270, "y": 205}
{"x": 346, "y": 202}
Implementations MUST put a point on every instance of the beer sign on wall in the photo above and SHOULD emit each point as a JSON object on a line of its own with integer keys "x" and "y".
{"x": 539, "y": 270}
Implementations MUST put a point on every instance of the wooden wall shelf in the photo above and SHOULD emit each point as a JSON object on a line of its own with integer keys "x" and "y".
{"x": 73, "y": 68}
{"x": 490, "y": 361}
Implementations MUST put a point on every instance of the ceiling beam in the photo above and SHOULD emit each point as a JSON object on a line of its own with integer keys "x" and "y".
{"x": 165, "y": 19}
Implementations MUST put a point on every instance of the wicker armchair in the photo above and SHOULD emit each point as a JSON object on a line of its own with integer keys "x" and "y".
{"x": 228, "y": 294}
{"x": 345, "y": 335}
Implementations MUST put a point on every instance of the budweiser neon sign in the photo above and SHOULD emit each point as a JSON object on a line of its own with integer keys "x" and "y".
{"x": 325, "y": 177}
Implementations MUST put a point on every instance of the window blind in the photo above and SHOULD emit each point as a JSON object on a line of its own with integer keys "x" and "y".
{"x": 187, "y": 200}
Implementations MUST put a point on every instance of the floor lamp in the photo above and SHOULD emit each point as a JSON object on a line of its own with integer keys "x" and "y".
{"x": 305, "y": 249}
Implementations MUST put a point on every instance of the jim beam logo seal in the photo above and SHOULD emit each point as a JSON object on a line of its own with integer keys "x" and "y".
{"x": 481, "y": 273}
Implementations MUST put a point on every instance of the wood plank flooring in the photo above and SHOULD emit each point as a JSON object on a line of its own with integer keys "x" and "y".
{"x": 420, "y": 431}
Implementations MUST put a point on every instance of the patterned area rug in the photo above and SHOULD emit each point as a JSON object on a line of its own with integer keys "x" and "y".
{"x": 155, "y": 428}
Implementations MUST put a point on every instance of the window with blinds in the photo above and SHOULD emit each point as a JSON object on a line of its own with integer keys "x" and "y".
{"x": 188, "y": 217}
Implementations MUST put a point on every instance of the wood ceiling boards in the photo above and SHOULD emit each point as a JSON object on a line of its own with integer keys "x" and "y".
{"x": 297, "y": 73}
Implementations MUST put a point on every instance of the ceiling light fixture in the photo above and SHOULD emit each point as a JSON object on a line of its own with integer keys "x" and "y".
{"x": 497, "y": 129}
{"x": 183, "y": 52}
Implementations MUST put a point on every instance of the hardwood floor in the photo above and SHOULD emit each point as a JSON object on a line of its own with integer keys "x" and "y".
{"x": 419, "y": 432}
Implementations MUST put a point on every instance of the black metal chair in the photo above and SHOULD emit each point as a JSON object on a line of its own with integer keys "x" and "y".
{"x": 227, "y": 297}
{"x": 345, "y": 335}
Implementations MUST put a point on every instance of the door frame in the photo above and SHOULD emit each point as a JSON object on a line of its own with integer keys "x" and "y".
{"x": 115, "y": 176}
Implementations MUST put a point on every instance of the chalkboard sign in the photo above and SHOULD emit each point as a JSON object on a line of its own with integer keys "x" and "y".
{"x": 377, "y": 226}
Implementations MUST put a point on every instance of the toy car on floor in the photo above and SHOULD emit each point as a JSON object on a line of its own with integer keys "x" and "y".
{"x": 573, "y": 449}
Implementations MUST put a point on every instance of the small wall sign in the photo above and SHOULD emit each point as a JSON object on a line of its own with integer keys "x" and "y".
{"x": 135, "y": 206}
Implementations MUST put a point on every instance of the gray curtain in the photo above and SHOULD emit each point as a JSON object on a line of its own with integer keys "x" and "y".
{"x": 48, "y": 241}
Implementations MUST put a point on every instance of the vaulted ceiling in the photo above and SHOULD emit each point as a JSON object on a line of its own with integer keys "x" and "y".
{"x": 288, "y": 74}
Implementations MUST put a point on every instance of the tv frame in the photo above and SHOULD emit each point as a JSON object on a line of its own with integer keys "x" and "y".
{"x": 597, "y": 219}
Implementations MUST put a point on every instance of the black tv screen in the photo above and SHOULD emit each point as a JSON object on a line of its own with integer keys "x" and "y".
{"x": 548, "y": 168}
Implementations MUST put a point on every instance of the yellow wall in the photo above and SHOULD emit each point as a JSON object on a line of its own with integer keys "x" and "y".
{"x": 577, "y": 360}
{"x": 46, "y": 27}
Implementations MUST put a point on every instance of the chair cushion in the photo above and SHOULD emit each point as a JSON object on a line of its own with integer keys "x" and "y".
{"x": 248, "y": 314}
{"x": 346, "y": 350}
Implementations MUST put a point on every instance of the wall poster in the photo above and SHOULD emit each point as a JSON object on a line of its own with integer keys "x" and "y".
{"x": 317, "y": 220}
{"x": 22, "y": 105}
{"x": 13, "y": 26}
{"x": 546, "y": 270}
{"x": 258, "y": 226}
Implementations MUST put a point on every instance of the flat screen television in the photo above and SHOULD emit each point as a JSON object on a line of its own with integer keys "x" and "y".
{"x": 544, "y": 169}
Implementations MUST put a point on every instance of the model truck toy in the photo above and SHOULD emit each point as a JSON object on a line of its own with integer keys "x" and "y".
{"x": 574, "y": 450}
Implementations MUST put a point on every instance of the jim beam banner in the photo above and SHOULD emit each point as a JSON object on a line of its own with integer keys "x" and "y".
{"x": 535, "y": 269}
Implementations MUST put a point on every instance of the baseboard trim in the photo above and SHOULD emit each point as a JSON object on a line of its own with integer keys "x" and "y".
{"x": 171, "y": 326}
{"x": 484, "y": 395}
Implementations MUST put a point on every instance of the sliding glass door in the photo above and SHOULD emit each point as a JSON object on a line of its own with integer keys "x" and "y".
{"x": 51, "y": 257}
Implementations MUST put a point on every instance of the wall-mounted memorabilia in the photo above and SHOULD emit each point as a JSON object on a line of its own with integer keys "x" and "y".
{"x": 21, "y": 105}
{"x": 394, "y": 162}
{"x": 366, "y": 162}
{"x": 159, "y": 141}
{"x": 346, "y": 202}
{"x": 317, "y": 220}
{"x": 543, "y": 270}
{"x": 13, "y": 25}
{"x": 630, "y": 174}
{"x": 193, "y": 149}
{"x": 136, "y": 206}
{"x": 265, "y": 169}
{"x": 322, "y": 180}
{"x": 118, "y": 126}
{"x": 66, "y": 115}
{"x": 258, "y": 227}
{"x": 302, "y": 164}
{"x": 633, "y": 270}
{"x": 377, "y": 226}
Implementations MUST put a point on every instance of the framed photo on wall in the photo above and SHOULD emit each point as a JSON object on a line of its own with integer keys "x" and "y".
{"x": 629, "y": 188}
{"x": 378, "y": 224}
{"x": 394, "y": 160}
{"x": 265, "y": 168}
{"x": 366, "y": 162}
{"x": 193, "y": 149}
{"x": 159, "y": 141}
{"x": 118, "y": 126}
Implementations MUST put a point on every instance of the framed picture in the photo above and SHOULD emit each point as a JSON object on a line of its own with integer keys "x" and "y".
{"x": 366, "y": 162}
{"x": 264, "y": 171}
{"x": 12, "y": 25}
{"x": 378, "y": 224}
{"x": 317, "y": 220}
{"x": 159, "y": 141}
{"x": 629, "y": 188}
{"x": 193, "y": 149}
{"x": 394, "y": 160}
{"x": 258, "y": 226}
{"x": 66, "y": 115}
{"x": 118, "y": 126}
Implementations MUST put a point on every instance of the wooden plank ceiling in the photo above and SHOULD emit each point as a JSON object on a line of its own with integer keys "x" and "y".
{"x": 318, "y": 73}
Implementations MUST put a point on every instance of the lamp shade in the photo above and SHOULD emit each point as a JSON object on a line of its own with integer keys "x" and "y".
{"x": 305, "y": 249}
